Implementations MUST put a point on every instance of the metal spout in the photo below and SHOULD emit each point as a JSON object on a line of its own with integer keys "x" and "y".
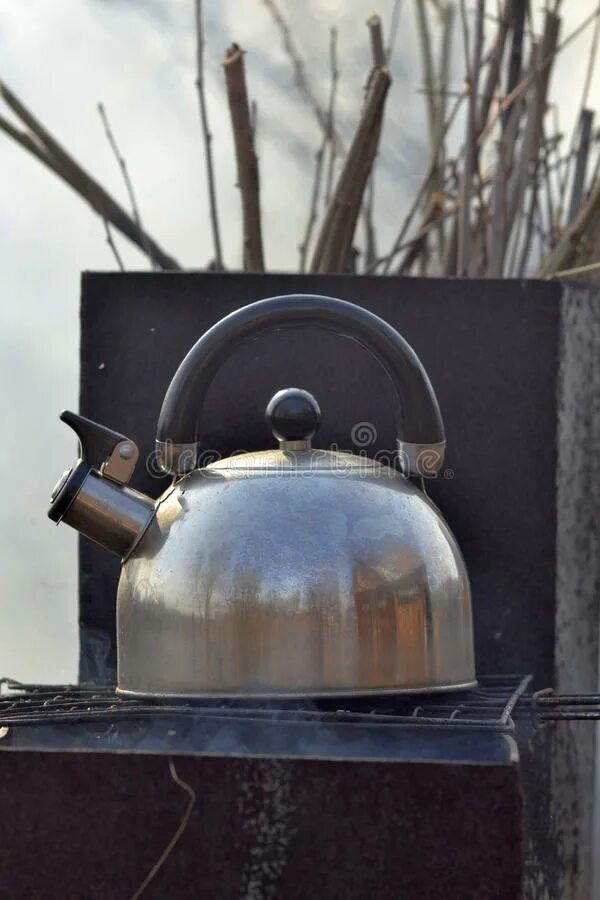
{"x": 93, "y": 496}
{"x": 113, "y": 515}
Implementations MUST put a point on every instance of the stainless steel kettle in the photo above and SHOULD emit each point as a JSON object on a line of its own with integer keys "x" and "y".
{"x": 284, "y": 572}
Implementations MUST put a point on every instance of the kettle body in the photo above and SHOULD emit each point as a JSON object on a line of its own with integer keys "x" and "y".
{"x": 289, "y": 572}
{"x": 294, "y": 572}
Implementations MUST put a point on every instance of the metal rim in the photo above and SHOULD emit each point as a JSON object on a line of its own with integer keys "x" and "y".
{"x": 295, "y": 695}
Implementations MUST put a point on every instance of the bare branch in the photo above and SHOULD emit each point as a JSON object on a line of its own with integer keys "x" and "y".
{"x": 531, "y": 213}
{"x": 247, "y": 163}
{"x": 31, "y": 145}
{"x": 579, "y": 270}
{"x": 47, "y": 149}
{"x": 376, "y": 34}
{"x": 434, "y": 213}
{"x": 541, "y": 177}
{"x": 314, "y": 201}
{"x": 522, "y": 86}
{"x": 515, "y": 58}
{"x": 370, "y": 232}
{"x": 496, "y": 56}
{"x": 591, "y": 64}
{"x": 394, "y": 23}
{"x": 327, "y": 141}
{"x": 586, "y": 121}
{"x": 435, "y": 84}
{"x": 428, "y": 70}
{"x": 379, "y": 58}
{"x": 112, "y": 245}
{"x": 301, "y": 79}
{"x": 470, "y": 163}
{"x": 335, "y": 75}
{"x": 566, "y": 172}
{"x": 445, "y": 54}
{"x": 498, "y": 231}
{"x": 566, "y": 249}
{"x": 207, "y": 136}
{"x": 124, "y": 171}
{"x": 466, "y": 38}
{"x": 334, "y": 244}
{"x": 424, "y": 185}
{"x": 536, "y": 109}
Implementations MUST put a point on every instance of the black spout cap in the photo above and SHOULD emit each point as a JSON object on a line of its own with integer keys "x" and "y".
{"x": 96, "y": 443}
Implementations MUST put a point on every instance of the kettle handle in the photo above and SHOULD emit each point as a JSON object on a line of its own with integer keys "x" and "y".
{"x": 419, "y": 430}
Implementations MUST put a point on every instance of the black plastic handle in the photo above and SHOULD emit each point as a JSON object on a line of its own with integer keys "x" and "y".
{"x": 419, "y": 425}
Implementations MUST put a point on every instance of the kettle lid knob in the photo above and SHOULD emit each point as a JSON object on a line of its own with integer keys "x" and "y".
{"x": 293, "y": 416}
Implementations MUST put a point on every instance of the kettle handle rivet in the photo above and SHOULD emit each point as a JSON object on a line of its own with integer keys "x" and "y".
{"x": 126, "y": 450}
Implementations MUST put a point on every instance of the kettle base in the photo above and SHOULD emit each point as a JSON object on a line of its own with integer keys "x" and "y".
{"x": 298, "y": 694}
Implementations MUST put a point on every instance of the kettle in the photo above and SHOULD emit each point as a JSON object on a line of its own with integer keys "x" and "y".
{"x": 287, "y": 572}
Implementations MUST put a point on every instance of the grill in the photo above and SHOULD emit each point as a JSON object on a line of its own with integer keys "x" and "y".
{"x": 469, "y": 725}
{"x": 489, "y": 707}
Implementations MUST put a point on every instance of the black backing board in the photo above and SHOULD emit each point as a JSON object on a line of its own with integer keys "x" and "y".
{"x": 491, "y": 350}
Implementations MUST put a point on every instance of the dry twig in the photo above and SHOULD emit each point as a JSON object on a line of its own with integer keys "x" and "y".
{"x": 191, "y": 793}
{"x": 496, "y": 56}
{"x": 320, "y": 155}
{"x": 567, "y": 247}
{"x": 334, "y": 244}
{"x": 430, "y": 84}
{"x": 247, "y": 163}
{"x": 301, "y": 79}
{"x": 435, "y": 88}
{"x": 314, "y": 202}
{"x": 542, "y": 60}
{"x": 388, "y": 260}
{"x": 40, "y": 143}
{"x": 125, "y": 172}
{"x": 579, "y": 270}
{"x": 329, "y": 134}
{"x": 522, "y": 86}
{"x": 394, "y": 23}
{"x": 207, "y": 136}
{"x": 379, "y": 59}
{"x": 376, "y": 34}
{"x": 112, "y": 245}
{"x": 515, "y": 57}
{"x": 470, "y": 163}
{"x": 586, "y": 121}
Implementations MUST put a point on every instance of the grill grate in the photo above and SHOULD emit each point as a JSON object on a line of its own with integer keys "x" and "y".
{"x": 490, "y": 706}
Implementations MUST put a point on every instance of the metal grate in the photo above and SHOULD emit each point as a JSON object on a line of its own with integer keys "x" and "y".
{"x": 489, "y": 707}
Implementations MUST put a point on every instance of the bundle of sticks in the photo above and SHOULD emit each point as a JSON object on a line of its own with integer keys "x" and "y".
{"x": 515, "y": 198}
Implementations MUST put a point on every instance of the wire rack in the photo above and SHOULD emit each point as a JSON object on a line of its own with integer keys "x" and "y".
{"x": 490, "y": 706}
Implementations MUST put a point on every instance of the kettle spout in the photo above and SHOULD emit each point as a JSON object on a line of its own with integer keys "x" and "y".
{"x": 93, "y": 497}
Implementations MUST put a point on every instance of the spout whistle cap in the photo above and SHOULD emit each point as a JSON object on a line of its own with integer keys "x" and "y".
{"x": 66, "y": 490}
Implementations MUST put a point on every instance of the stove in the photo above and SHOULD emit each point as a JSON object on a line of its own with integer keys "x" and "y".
{"x": 341, "y": 798}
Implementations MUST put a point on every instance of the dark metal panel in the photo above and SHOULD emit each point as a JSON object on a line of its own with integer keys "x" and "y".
{"x": 490, "y": 348}
{"x": 517, "y": 434}
{"x": 91, "y": 825}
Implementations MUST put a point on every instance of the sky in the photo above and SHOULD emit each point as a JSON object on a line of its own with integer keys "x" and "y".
{"x": 138, "y": 58}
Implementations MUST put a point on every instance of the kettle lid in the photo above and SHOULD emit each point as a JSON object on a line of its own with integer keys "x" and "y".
{"x": 294, "y": 416}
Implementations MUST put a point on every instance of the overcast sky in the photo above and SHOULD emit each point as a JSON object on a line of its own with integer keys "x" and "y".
{"x": 138, "y": 58}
